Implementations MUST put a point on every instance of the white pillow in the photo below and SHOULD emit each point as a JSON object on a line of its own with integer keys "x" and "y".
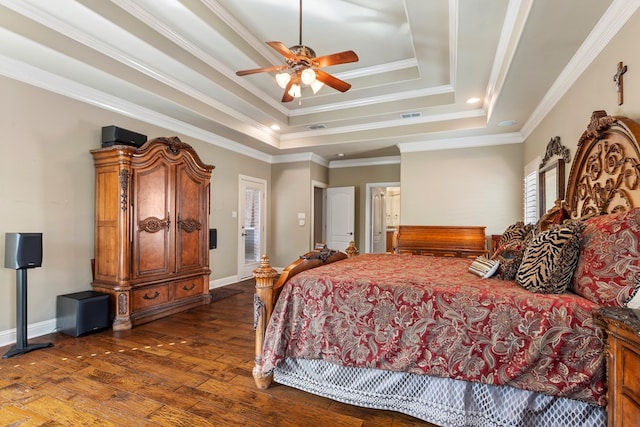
{"x": 484, "y": 267}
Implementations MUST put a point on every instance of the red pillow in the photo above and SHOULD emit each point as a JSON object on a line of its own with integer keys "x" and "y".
{"x": 608, "y": 269}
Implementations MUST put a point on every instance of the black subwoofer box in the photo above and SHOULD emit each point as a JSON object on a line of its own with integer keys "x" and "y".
{"x": 113, "y": 135}
{"x": 81, "y": 313}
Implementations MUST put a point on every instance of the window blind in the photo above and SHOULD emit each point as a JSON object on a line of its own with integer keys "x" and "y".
{"x": 530, "y": 191}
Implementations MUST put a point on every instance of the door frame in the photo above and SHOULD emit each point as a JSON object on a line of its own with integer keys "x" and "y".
{"x": 368, "y": 241}
{"x": 317, "y": 184}
{"x": 240, "y": 221}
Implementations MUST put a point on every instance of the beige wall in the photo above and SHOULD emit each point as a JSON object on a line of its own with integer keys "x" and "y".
{"x": 359, "y": 177}
{"x": 470, "y": 186}
{"x": 593, "y": 90}
{"x": 47, "y": 185}
{"x": 290, "y": 195}
{"x": 224, "y": 201}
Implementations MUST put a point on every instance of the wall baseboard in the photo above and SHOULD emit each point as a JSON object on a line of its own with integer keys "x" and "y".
{"x": 8, "y": 337}
{"x": 224, "y": 281}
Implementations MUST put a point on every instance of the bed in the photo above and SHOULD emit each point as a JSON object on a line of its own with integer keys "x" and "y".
{"x": 440, "y": 340}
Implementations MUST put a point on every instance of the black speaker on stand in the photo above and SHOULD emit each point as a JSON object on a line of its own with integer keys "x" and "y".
{"x": 21, "y": 252}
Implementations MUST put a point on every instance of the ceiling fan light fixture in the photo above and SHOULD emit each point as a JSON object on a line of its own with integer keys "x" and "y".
{"x": 295, "y": 91}
{"x": 304, "y": 67}
{"x": 308, "y": 76}
{"x": 282, "y": 79}
{"x": 316, "y": 85}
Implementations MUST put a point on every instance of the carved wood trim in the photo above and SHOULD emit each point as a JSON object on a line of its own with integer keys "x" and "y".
{"x": 189, "y": 225}
{"x": 124, "y": 185}
{"x": 153, "y": 224}
{"x": 555, "y": 148}
{"x": 605, "y": 175}
{"x": 174, "y": 145}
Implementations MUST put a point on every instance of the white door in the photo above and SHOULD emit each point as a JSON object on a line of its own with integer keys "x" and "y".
{"x": 378, "y": 220}
{"x": 340, "y": 217}
{"x": 251, "y": 225}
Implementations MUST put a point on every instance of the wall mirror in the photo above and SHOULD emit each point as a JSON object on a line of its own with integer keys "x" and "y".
{"x": 551, "y": 174}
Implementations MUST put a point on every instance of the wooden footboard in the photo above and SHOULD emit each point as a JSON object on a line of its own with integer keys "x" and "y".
{"x": 267, "y": 293}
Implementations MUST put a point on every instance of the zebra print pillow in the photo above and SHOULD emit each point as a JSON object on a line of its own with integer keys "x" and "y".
{"x": 550, "y": 259}
{"x": 516, "y": 231}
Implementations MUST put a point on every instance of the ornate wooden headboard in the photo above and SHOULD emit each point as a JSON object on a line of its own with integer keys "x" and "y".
{"x": 605, "y": 174}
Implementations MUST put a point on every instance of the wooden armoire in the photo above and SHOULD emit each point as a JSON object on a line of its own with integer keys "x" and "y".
{"x": 151, "y": 229}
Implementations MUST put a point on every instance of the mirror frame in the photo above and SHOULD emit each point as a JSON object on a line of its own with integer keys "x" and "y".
{"x": 554, "y": 149}
{"x": 557, "y": 186}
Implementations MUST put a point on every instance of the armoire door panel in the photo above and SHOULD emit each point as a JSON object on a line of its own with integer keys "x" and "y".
{"x": 106, "y": 224}
{"x": 190, "y": 230}
{"x": 154, "y": 220}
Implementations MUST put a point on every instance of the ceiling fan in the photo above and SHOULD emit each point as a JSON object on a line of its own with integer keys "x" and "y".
{"x": 303, "y": 67}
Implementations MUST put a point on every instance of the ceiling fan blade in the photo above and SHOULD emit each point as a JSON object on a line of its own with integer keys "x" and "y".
{"x": 286, "y": 97}
{"x": 261, "y": 70}
{"x": 334, "y": 82}
{"x": 284, "y": 51}
{"x": 335, "y": 59}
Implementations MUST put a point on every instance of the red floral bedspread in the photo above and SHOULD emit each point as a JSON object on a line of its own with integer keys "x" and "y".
{"x": 428, "y": 315}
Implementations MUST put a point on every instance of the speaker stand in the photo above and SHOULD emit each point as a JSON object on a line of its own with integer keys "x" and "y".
{"x": 21, "y": 346}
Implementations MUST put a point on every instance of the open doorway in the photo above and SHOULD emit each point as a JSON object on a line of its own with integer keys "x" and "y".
{"x": 318, "y": 191}
{"x": 382, "y": 216}
{"x": 252, "y": 222}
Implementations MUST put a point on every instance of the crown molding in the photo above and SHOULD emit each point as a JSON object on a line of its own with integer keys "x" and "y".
{"x": 385, "y": 124}
{"x": 300, "y": 157}
{"x": 373, "y": 161}
{"x": 362, "y": 102}
{"x": 517, "y": 11}
{"x": 465, "y": 142}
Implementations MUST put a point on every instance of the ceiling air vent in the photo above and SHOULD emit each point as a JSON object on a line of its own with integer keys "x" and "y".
{"x": 317, "y": 126}
{"x": 411, "y": 115}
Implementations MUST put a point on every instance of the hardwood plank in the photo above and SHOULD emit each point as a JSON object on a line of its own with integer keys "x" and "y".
{"x": 64, "y": 413}
{"x": 168, "y": 416}
{"x": 14, "y": 416}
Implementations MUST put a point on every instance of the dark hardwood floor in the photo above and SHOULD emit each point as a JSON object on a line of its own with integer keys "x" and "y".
{"x": 190, "y": 369}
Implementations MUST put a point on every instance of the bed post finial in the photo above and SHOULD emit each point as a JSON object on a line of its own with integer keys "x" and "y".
{"x": 263, "y": 306}
{"x": 351, "y": 250}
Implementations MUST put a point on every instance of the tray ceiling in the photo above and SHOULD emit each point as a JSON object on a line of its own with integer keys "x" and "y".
{"x": 173, "y": 62}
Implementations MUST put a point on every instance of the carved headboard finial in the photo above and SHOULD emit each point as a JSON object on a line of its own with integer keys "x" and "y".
{"x": 600, "y": 121}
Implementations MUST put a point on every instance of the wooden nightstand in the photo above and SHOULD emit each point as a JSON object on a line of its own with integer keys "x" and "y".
{"x": 623, "y": 364}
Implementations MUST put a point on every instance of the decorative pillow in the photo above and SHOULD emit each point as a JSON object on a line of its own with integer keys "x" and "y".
{"x": 323, "y": 255}
{"x": 509, "y": 257}
{"x": 483, "y": 267}
{"x": 550, "y": 258}
{"x": 556, "y": 215}
{"x": 516, "y": 231}
{"x": 608, "y": 270}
